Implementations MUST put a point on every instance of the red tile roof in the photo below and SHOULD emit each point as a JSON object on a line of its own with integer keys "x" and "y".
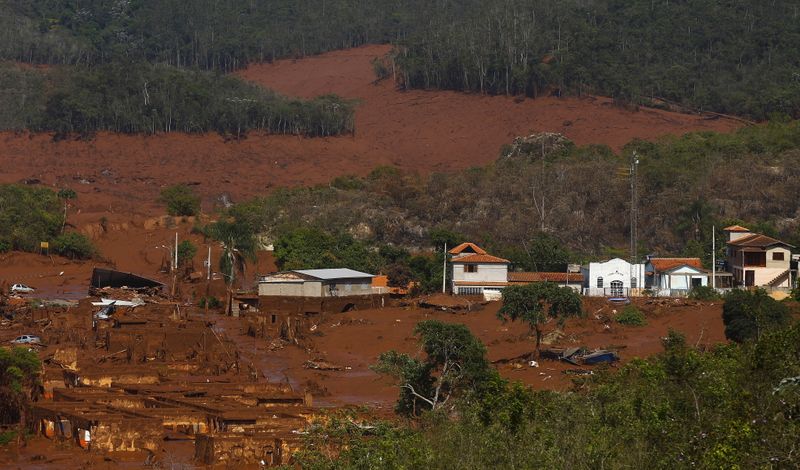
{"x": 736, "y": 228}
{"x": 665, "y": 264}
{"x": 756, "y": 240}
{"x": 482, "y": 258}
{"x": 541, "y": 277}
{"x": 467, "y": 246}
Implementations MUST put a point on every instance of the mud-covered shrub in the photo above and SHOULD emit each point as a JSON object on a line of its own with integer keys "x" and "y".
{"x": 180, "y": 200}
{"x": 631, "y": 316}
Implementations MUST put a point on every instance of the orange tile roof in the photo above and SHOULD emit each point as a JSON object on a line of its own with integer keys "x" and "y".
{"x": 757, "y": 240}
{"x": 541, "y": 277}
{"x": 665, "y": 264}
{"x": 464, "y": 246}
{"x": 736, "y": 228}
{"x": 480, "y": 259}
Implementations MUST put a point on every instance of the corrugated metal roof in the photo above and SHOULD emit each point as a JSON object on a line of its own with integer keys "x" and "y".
{"x": 334, "y": 273}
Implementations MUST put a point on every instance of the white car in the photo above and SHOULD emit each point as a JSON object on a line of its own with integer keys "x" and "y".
{"x": 21, "y": 289}
{"x": 27, "y": 339}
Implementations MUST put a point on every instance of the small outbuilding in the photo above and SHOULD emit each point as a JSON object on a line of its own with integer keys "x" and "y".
{"x": 320, "y": 283}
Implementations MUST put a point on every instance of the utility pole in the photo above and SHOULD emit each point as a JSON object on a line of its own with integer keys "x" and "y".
{"x": 208, "y": 263}
{"x": 444, "y": 270}
{"x": 713, "y": 257}
{"x": 176, "y": 251}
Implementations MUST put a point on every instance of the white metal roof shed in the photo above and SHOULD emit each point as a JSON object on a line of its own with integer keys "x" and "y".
{"x": 335, "y": 273}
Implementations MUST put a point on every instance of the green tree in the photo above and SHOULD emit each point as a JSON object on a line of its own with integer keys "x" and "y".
{"x": 536, "y": 302}
{"x": 314, "y": 248}
{"x": 455, "y": 364}
{"x": 749, "y": 314}
{"x": 399, "y": 275}
{"x": 28, "y": 215}
{"x": 180, "y": 200}
{"x": 20, "y": 371}
{"x": 186, "y": 252}
{"x": 542, "y": 252}
{"x": 238, "y": 246}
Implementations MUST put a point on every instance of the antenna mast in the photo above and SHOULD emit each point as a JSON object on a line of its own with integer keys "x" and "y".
{"x": 634, "y": 212}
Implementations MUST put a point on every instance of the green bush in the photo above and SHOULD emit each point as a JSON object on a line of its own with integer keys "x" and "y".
{"x": 186, "y": 251}
{"x": 180, "y": 200}
{"x": 704, "y": 293}
{"x": 631, "y": 316}
{"x": 747, "y": 315}
{"x": 74, "y": 245}
{"x": 7, "y": 436}
{"x": 28, "y": 215}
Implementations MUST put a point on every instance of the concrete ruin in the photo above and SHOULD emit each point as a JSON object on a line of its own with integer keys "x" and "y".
{"x": 146, "y": 375}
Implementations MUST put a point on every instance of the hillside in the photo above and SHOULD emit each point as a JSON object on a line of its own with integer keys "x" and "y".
{"x": 117, "y": 175}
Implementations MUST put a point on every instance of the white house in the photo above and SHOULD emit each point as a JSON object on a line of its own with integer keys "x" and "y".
{"x": 476, "y": 272}
{"x": 673, "y": 276}
{"x": 615, "y": 277}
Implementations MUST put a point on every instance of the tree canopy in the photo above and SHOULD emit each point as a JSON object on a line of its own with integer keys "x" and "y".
{"x": 537, "y": 302}
{"x": 455, "y": 364}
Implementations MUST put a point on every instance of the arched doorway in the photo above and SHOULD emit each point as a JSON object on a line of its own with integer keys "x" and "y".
{"x": 616, "y": 289}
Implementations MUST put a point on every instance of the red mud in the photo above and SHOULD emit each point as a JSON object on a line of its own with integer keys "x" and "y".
{"x": 356, "y": 339}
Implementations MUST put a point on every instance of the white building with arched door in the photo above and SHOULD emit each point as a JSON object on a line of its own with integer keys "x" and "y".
{"x": 613, "y": 278}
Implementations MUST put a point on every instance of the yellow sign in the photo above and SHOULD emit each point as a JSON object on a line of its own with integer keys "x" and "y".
{"x": 44, "y": 245}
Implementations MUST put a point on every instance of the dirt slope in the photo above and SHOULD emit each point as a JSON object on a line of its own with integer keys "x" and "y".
{"x": 419, "y": 130}
{"x": 445, "y": 130}
{"x": 118, "y": 177}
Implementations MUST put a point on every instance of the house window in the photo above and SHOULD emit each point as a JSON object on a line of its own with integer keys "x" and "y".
{"x": 777, "y": 256}
{"x": 470, "y": 268}
{"x": 599, "y": 282}
{"x": 633, "y": 283}
{"x": 755, "y": 259}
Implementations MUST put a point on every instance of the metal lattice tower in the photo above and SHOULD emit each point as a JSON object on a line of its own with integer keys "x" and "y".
{"x": 634, "y": 210}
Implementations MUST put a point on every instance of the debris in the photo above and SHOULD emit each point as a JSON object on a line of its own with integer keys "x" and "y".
{"x": 321, "y": 365}
{"x": 533, "y": 363}
{"x": 135, "y": 302}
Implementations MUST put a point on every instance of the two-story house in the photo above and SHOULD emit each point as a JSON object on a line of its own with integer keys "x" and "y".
{"x": 758, "y": 260}
{"x": 476, "y": 272}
